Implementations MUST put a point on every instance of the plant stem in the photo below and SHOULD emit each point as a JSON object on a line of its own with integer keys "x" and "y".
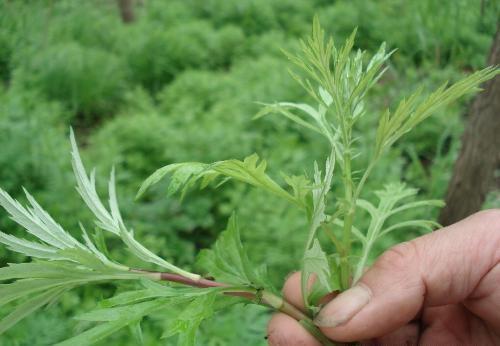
{"x": 362, "y": 262}
{"x": 280, "y": 304}
{"x": 333, "y": 238}
{"x": 283, "y": 306}
{"x": 264, "y": 297}
{"x": 345, "y": 269}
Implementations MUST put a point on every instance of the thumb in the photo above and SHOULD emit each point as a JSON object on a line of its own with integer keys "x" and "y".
{"x": 444, "y": 267}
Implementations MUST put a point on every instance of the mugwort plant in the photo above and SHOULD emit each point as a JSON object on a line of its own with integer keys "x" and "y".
{"x": 338, "y": 80}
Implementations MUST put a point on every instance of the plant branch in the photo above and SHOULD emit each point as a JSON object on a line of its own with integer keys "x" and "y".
{"x": 261, "y": 297}
{"x": 345, "y": 270}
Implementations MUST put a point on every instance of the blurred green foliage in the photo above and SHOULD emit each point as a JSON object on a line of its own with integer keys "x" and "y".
{"x": 180, "y": 84}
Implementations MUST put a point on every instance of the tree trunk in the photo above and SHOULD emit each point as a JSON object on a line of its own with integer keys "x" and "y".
{"x": 126, "y": 8}
{"x": 474, "y": 172}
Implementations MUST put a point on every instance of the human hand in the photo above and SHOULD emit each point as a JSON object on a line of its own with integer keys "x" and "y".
{"x": 440, "y": 289}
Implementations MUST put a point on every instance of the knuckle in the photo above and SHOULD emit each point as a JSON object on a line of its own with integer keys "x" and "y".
{"x": 400, "y": 266}
{"x": 489, "y": 216}
{"x": 491, "y": 222}
{"x": 488, "y": 223}
{"x": 398, "y": 257}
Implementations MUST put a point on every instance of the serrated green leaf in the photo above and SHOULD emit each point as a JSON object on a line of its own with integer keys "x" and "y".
{"x": 315, "y": 263}
{"x": 188, "y": 321}
{"x": 136, "y": 330}
{"x": 35, "y": 277}
{"x": 117, "y": 319}
{"x": 112, "y": 220}
{"x": 156, "y": 290}
{"x": 100, "y": 242}
{"x": 87, "y": 190}
{"x": 97, "y": 259}
{"x": 61, "y": 270}
{"x": 118, "y": 313}
{"x": 29, "y": 248}
{"x": 95, "y": 334}
{"x": 146, "y": 255}
{"x": 28, "y": 307}
{"x": 129, "y": 297}
{"x": 228, "y": 261}
{"x": 389, "y": 198}
{"x": 59, "y": 244}
{"x": 83, "y": 257}
{"x": 283, "y": 110}
{"x": 37, "y": 222}
{"x": 322, "y": 186}
{"x": 411, "y": 111}
{"x": 186, "y": 175}
{"x": 301, "y": 189}
{"x": 411, "y": 205}
{"x": 24, "y": 287}
{"x": 41, "y": 269}
{"x": 427, "y": 225}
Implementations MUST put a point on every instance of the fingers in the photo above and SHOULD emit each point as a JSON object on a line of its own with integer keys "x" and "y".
{"x": 444, "y": 267}
{"x": 454, "y": 325}
{"x": 485, "y": 300}
{"x": 406, "y": 335}
{"x": 284, "y": 330}
{"x": 292, "y": 291}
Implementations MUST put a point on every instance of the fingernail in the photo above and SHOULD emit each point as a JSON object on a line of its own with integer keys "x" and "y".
{"x": 343, "y": 307}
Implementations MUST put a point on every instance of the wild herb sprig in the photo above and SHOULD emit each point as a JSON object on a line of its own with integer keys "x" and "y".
{"x": 338, "y": 80}
{"x": 61, "y": 263}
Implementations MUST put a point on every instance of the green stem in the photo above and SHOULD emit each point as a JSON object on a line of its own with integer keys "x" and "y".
{"x": 267, "y": 298}
{"x": 283, "y": 306}
{"x": 362, "y": 262}
{"x": 314, "y": 331}
{"x": 345, "y": 268}
{"x": 280, "y": 304}
{"x": 333, "y": 238}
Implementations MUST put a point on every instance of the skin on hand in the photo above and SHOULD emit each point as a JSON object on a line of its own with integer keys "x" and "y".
{"x": 439, "y": 289}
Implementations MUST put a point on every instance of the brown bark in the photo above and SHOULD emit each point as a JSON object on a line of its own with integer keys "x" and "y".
{"x": 126, "y": 8}
{"x": 474, "y": 172}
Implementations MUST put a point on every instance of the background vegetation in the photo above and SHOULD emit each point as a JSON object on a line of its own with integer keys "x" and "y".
{"x": 180, "y": 84}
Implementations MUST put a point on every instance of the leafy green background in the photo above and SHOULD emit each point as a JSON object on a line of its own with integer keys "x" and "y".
{"x": 180, "y": 84}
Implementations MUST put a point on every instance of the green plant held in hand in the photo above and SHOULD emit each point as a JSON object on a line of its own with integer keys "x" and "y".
{"x": 338, "y": 81}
